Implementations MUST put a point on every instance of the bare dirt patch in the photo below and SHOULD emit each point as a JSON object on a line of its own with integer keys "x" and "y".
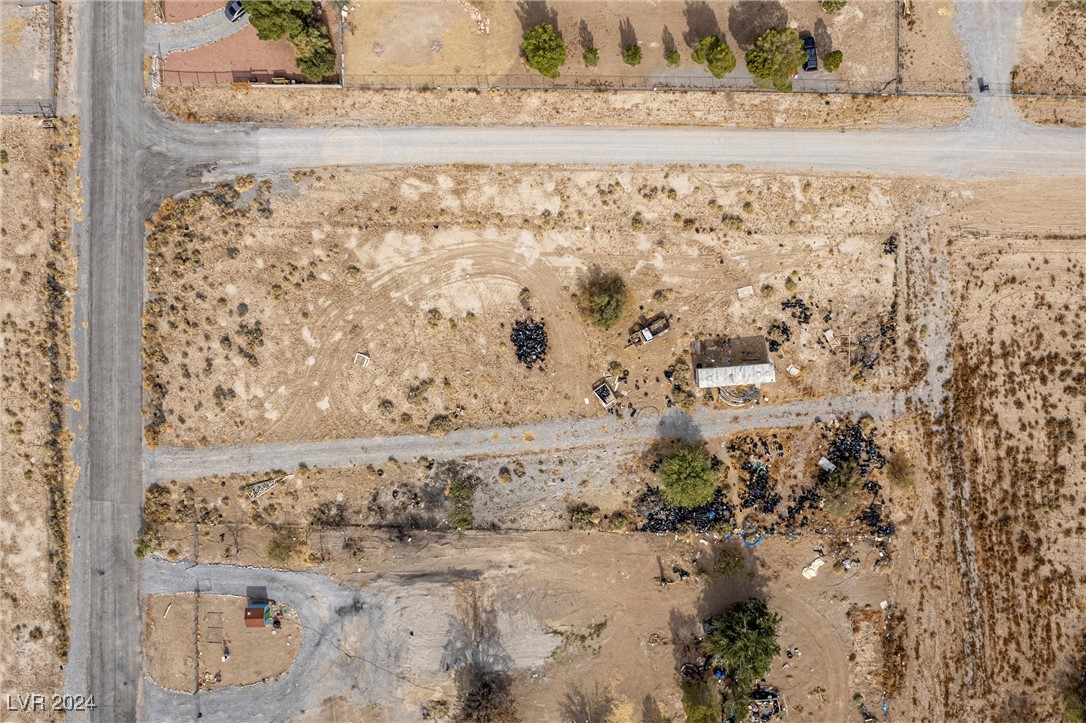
{"x": 26, "y": 51}
{"x": 1050, "y": 111}
{"x": 302, "y": 107}
{"x": 1051, "y": 49}
{"x": 35, "y": 314}
{"x": 259, "y": 302}
{"x": 932, "y": 56}
{"x": 187, "y": 637}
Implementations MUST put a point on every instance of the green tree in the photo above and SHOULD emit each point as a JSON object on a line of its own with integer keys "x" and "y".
{"x": 313, "y": 53}
{"x": 275, "y": 19}
{"x": 834, "y": 6}
{"x": 776, "y": 56}
{"x": 687, "y": 477}
{"x": 591, "y": 58}
{"x": 602, "y": 298}
{"x": 841, "y": 486}
{"x": 743, "y": 641}
{"x": 832, "y": 61}
{"x": 544, "y": 50}
{"x": 715, "y": 54}
{"x": 631, "y": 56}
{"x": 673, "y": 58}
{"x": 730, "y": 560}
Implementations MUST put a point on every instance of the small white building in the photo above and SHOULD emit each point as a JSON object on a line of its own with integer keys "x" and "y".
{"x": 741, "y": 362}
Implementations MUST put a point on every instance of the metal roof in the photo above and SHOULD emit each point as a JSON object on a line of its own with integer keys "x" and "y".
{"x": 736, "y": 376}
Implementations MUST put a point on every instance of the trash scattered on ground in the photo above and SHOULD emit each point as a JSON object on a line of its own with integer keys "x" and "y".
{"x": 889, "y": 246}
{"x": 746, "y": 292}
{"x": 777, "y": 334}
{"x": 660, "y": 518}
{"x": 793, "y": 370}
{"x": 529, "y": 338}
{"x": 823, "y": 463}
{"x": 801, "y": 311}
{"x": 753, "y": 457}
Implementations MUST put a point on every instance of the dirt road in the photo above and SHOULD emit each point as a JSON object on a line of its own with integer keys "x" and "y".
{"x": 165, "y": 464}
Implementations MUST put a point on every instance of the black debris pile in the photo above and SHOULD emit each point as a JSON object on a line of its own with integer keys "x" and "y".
{"x": 660, "y": 517}
{"x": 889, "y": 246}
{"x": 872, "y": 516}
{"x": 888, "y": 330}
{"x": 777, "y": 334}
{"x": 529, "y": 338}
{"x": 799, "y": 500}
{"x": 801, "y": 312}
{"x": 856, "y": 441}
{"x": 753, "y": 457}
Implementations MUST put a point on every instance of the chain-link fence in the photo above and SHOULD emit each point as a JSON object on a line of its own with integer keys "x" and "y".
{"x": 44, "y": 107}
{"x": 46, "y": 104}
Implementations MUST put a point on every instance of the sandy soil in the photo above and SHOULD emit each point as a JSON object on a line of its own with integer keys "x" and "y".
{"x": 606, "y": 633}
{"x": 176, "y": 659}
{"x": 1009, "y": 496}
{"x": 1045, "y": 111}
{"x": 931, "y": 52}
{"x": 255, "y": 338}
{"x": 458, "y": 107}
{"x": 1051, "y": 49}
{"x": 34, "y": 463}
{"x": 178, "y": 11}
{"x": 26, "y": 49}
{"x": 412, "y": 42}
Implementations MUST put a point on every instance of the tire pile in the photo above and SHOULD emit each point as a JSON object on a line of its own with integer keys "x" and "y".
{"x": 529, "y": 339}
{"x": 661, "y": 518}
{"x": 752, "y": 458}
{"x": 801, "y": 312}
{"x": 777, "y": 334}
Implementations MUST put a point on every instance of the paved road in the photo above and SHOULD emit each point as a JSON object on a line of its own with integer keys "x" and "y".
{"x": 164, "y": 38}
{"x": 133, "y": 157}
{"x": 165, "y": 464}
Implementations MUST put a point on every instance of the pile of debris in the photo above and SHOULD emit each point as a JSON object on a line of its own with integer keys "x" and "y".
{"x": 872, "y": 516}
{"x": 529, "y": 338}
{"x": 660, "y": 517}
{"x": 801, "y": 312}
{"x": 856, "y": 441}
{"x": 889, "y": 246}
{"x": 777, "y": 334}
{"x": 753, "y": 457}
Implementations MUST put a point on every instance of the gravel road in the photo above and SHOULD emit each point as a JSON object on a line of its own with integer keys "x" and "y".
{"x": 165, "y": 464}
{"x": 161, "y": 39}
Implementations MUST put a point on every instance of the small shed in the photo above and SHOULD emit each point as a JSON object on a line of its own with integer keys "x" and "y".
{"x": 257, "y": 614}
{"x": 739, "y": 362}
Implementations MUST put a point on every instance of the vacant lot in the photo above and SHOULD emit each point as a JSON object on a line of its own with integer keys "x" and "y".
{"x": 26, "y": 51}
{"x": 259, "y": 302}
{"x": 202, "y": 641}
{"x": 465, "y": 43}
{"x": 931, "y": 52}
{"x": 35, "y": 316}
{"x": 1051, "y": 49}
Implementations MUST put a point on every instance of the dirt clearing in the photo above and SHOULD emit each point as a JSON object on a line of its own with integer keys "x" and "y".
{"x": 260, "y": 302}
{"x": 931, "y": 52}
{"x": 202, "y": 641}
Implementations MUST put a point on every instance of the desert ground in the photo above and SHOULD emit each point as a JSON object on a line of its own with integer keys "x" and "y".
{"x": 35, "y": 273}
{"x": 461, "y": 43}
{"x": 188, "y": 636}
{"x": 986, "y": 291}
{"x": 260, "y": 299}
{"x": 932, "y": 59}
{"x": 1051, "y": 49}
{"x": 26, "y": 51}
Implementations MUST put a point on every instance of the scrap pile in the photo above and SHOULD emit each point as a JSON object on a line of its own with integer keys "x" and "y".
{"x": 857, "y": 442}
{"x": 801, "y": 312}
{"x": 889, "y": 246}
{"x": 529, "y": 338}
{"x": 753, "y": 457}
{"x": 661, "y": 518}
{"x": 777, "y": 334}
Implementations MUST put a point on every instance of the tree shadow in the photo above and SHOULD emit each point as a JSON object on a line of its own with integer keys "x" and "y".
{"x": 477, "y": 653}
{"x": 627, "y": 36}
{"x": 535, "y": 12}
{"x": 677, "y": 425}
{"x": 668, "y": 41}
{"x": 823, "y": 39}
{"x": 580, "y": 705}
{"x": 651, "y": 712}
{"x": 700, "y": 22}
{"x": 750, "y": 18}
{"x": 585, "y": 36}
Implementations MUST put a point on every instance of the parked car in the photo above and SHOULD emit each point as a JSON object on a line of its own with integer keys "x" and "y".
{"x": 983, "y": 85}
{"x": 234, "y": 10}
{"x": 812, "y": 58}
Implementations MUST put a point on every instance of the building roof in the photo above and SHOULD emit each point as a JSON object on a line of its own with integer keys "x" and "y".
{"x": 736, "y": 376}
{"x": 737, "y": 362}
{"x": 256, "y": 616}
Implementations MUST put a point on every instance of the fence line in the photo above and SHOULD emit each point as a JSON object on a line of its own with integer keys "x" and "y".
{"x": 669, "y": 83}
{"x": 36, "y": 106}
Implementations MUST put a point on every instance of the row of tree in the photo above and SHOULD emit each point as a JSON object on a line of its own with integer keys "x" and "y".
{"x": 776, "y": 57}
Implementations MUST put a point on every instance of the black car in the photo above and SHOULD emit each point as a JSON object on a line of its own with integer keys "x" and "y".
{"x": 234, "y": 10}
{"x": 812, "y": 59}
